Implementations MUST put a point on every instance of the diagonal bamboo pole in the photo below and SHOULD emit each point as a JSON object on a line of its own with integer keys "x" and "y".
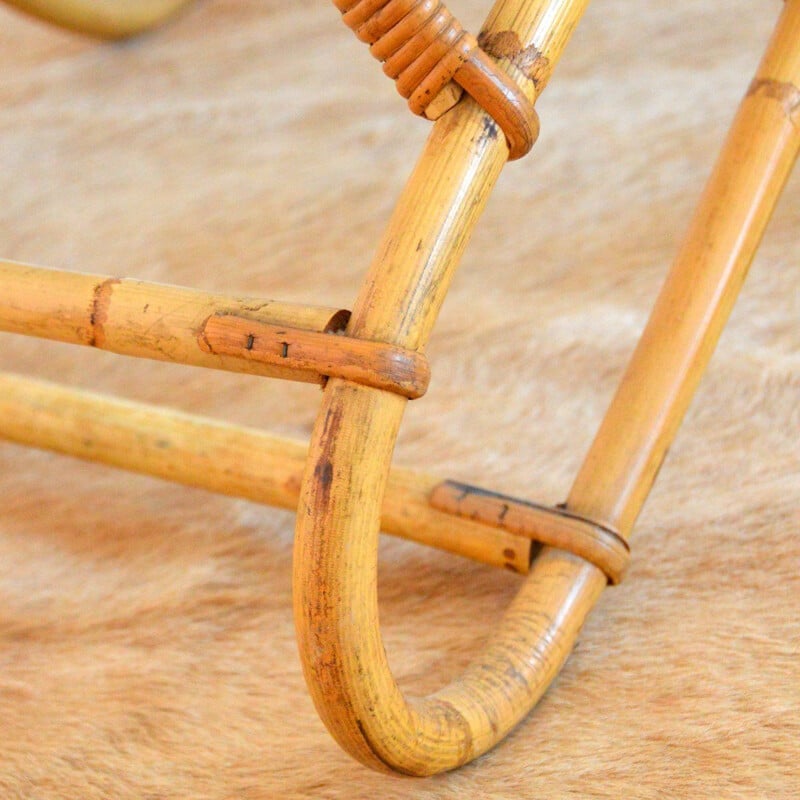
{"x": 336, "y": 608}
{"x": 148, "y": 320}
{"x": 700, "y": 290}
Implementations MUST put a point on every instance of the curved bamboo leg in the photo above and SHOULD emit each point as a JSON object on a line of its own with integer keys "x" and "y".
{"x": 336, "y": 610}
{"x": 110, "y": 19}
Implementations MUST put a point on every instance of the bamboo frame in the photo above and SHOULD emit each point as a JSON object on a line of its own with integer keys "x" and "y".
{"x": 555, "y": 527}
{"x": 346, "y": 483}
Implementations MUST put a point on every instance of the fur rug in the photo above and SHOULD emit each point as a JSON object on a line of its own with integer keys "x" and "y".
{"x": 146, "y": 639}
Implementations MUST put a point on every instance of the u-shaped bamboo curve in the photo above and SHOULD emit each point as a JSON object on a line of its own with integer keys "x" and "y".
{"x": 337, "y": 611}
{"x": 335, "y": 559}
{"x": 108, "y": 19}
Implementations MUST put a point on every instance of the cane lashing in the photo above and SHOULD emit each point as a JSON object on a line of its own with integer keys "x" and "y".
{"x": 554, "y": 527}
{"x": 377, "y": 364}
{"x": 423, "y": 47}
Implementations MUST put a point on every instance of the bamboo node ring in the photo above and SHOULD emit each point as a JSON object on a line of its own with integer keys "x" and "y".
{"x": 423, "y": 48}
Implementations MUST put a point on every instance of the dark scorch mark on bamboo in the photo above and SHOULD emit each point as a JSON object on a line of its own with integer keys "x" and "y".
{"x": 101, "y": 303}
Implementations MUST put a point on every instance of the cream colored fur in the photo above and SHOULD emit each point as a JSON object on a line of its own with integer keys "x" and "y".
{"x": 146, "y": 641}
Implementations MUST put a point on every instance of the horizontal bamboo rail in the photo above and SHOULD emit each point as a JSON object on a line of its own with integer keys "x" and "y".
{"x": 228, "y": 459}
{"x": 107, "y": 18}
{"x": 147, "y": 320}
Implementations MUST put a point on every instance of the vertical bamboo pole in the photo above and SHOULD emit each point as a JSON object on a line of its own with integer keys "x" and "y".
{"x": 698, "y": 295}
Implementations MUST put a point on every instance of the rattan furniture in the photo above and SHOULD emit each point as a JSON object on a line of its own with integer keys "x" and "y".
{"x": 371, "y": 362}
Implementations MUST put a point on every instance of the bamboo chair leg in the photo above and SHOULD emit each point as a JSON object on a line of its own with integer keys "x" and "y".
{"x": 109, "y": 19}
{"x": 336, "y": 608}
{"x": 700, "y": 291}
{"x": 335, "y": 599}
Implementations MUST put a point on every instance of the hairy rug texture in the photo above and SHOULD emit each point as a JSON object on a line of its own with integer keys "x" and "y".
{"x": 253, "y": 147}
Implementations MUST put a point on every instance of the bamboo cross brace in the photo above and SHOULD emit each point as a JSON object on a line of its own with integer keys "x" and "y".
{"x": 243, "y": 462}
{"x": 146, "y": 320}
{"x": 186, "y": 326}
{"x": 227, "y": 459}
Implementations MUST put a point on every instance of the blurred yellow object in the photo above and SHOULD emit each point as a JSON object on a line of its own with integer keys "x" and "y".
{"x": 110, "y": 19}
